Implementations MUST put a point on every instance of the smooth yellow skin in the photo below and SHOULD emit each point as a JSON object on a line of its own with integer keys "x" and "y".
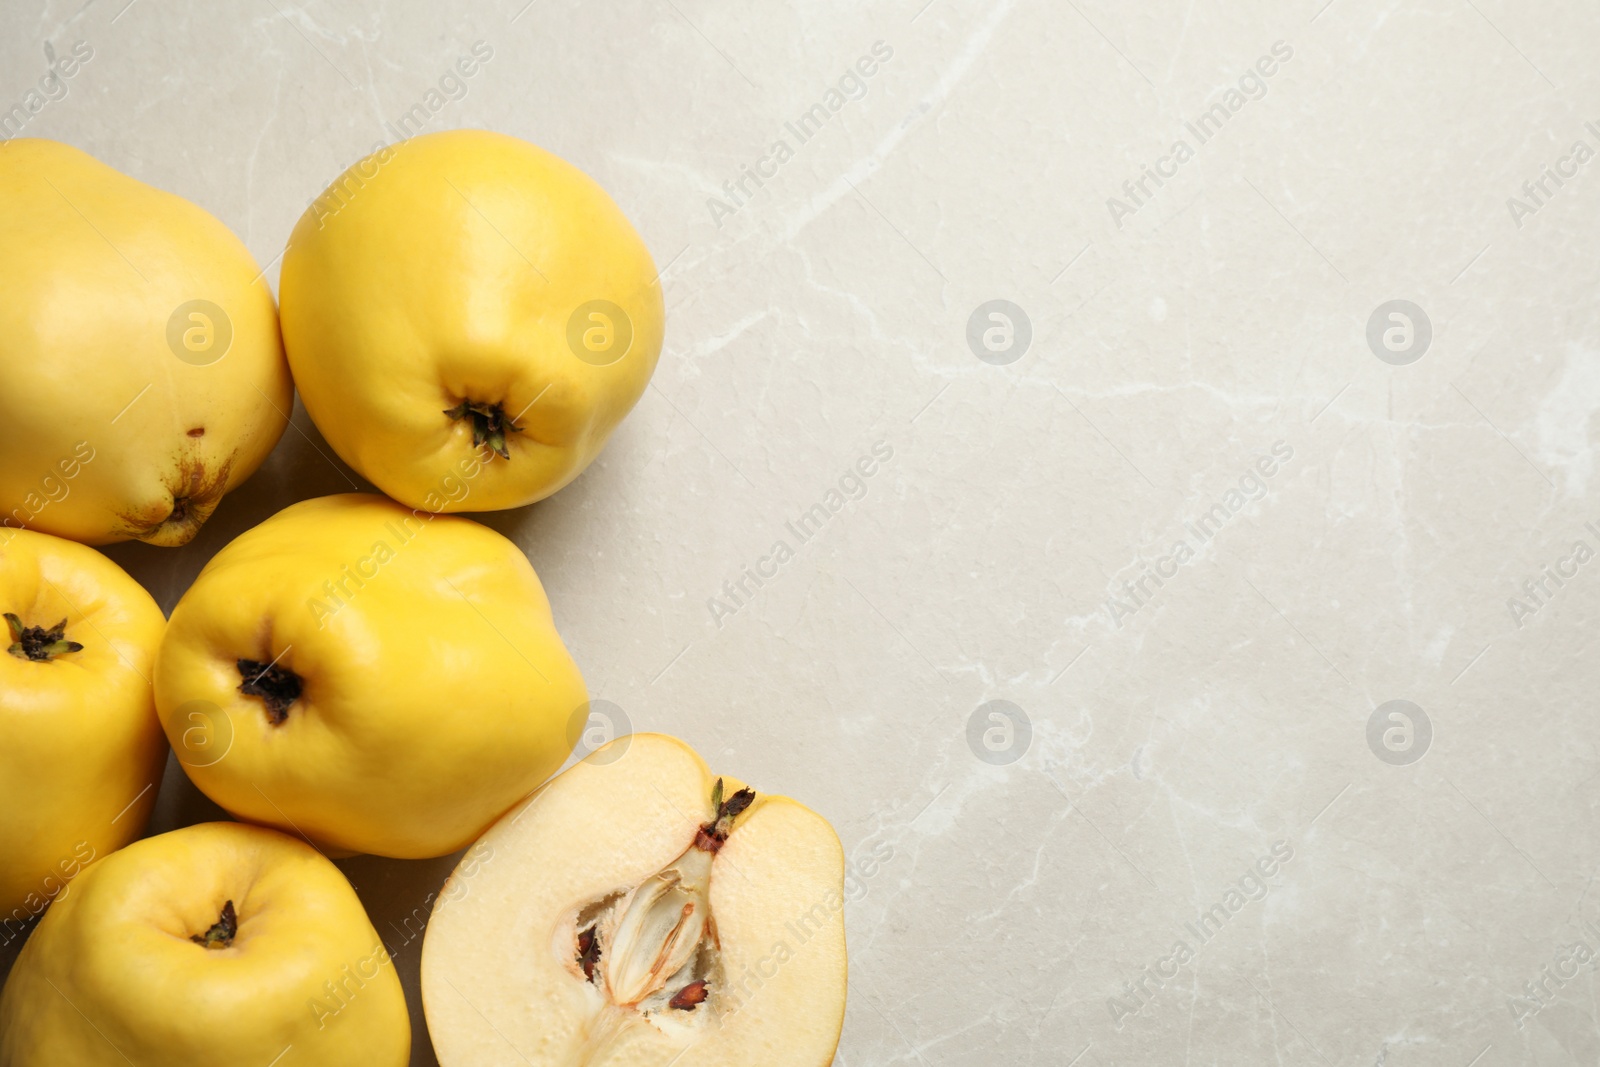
{"x": 436, "y": 690}
{"x": 82, "y": 750}
{"x": 447, "y": 268}
{"x": 111, "y": 976}
{"x": 105, "y": 433}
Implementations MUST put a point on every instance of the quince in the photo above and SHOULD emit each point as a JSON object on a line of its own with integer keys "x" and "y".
{"x": 141, "y": 371}
{"x": 466, "y": 296}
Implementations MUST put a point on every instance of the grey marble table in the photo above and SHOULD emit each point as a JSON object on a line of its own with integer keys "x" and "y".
{"x": 1102, "y": 661}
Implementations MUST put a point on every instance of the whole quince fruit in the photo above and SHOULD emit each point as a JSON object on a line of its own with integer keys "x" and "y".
{"x": 641, "y": 910}
{"x": 82, "y": 754}
{"x": 141, "y": 371}
{"x": 463, "y": 297}
{"x": 377, "y": 679}
{"x": 214, "y": 944}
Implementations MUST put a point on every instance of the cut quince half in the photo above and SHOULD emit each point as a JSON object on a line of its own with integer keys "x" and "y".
{"x": 640, "y": 910}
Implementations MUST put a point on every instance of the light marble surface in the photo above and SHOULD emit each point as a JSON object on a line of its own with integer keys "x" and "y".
{"x": 1178, "y": 732}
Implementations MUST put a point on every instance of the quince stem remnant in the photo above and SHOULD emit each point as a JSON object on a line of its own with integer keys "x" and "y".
{"x": 222, "y": 931}
{"x": 490, "y": 425}
{"x": 278, "y": 687}
{"x": 38, "y": 644}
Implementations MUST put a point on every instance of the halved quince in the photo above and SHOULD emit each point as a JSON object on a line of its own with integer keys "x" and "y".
{"x": 640, "y": 910}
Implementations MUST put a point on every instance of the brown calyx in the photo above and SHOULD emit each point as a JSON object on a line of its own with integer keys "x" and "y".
{"x": 222, "y": 932}
{"x": 490, "y": 424}
{"x": 278, "y": 687}
{"x": 38, "y": 644}
{"x": 714, "y": 834}
{"x": 196, "y": 492}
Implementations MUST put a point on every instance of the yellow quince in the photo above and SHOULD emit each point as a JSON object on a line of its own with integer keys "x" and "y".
{"x": 378, "y": 679}
{"x": 465, "y": 301}
{"x": 214, "y": 944}
{"x": 82, "y": 754}
{"x": 141, "y": 371}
